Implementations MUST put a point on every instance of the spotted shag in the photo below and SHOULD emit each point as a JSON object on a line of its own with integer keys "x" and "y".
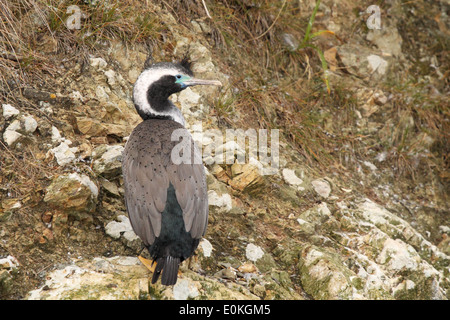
{"x": 166, "y": 200}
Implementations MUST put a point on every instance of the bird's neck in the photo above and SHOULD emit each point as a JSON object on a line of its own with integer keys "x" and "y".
{"x": 169, "y": 113}
{"x": 152, "y": 104}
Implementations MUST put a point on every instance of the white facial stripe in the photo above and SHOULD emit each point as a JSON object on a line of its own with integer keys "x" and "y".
{"x": 143, "y": 83}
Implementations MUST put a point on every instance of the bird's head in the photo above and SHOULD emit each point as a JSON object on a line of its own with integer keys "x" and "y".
{"x": 160, "y": 80}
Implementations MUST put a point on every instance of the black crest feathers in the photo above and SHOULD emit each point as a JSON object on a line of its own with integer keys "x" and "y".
{"x": 186, "y": 64}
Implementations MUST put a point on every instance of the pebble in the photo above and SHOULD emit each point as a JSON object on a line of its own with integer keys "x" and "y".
{"x": 116, "y": 229}
{"x": 9, "y": 262}
{"x": 9, "y": 111}
{"x": 377, "y": 64}
{"x": 222, "y": 201}
{"x": 291, "y": 178}
{"x": 63, "y": 153}
{"x": 30, "y": 124}
{"x": 322, "y": 187}
{"x": 253, "y": 252}
{"x": 11, "y": 136}
{"x": 248, "y": 268}
{"x": 206, "y": 247}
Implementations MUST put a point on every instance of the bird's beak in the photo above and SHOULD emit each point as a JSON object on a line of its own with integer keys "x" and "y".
{"x": 196, "y": 82}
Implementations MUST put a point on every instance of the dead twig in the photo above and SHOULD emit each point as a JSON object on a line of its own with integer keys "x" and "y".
{"x": 206, "y": 9}
{"x": 273, "y": 23}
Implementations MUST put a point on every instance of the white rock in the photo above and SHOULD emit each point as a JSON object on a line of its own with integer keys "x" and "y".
{"x": 323, "y": 209}
{"x": 11, "y": 136}
{"x": 291, "y": 178}
{"x": 125, "y": 260}
{"x": 9, "y": 111}
{"x": 404, "y": 285}
{"x": 223, "y": 201}
{"x": 56, "y": 136}
{"x": 184, "y": 289}
{"x": 398, "y": 255}
{"x": 45, "y": 107}
{"x": 312, "y": 256}
{"x": 113, "y": 153}
{"x": 381, "y": 156}
{"x": 115, "y": 229}
{"x": 387, "y": 39}
{"x": 14, "y": 126}
{"x": 9, "y": 262}
{"x": 228, "y": 150}
{"x": 101, "y": 94}
{"x": 206, "y": 247}
{"x": 203, "y": 67}
{"x": 110, "y": 162}
{"x": 370, "y": 165}
{"x": 444, "y": 229}
{"x": 322, "y": 187}
{"x": 188, "y": 98}
{"x": 377, "y": 215}
{"x": 98, "y": 63}
{"x": 61, "y": 280}
{"x": 377, "y": 64}
{"x": 253, "y": 252}
{"x": 91, "y": 279}
{"x": 111, "y": 76}
{"x": 63, "y": 153}
{"x": 76, "y": 95}
{"x": 84, "y": 179}
{"x": 133, "y": 74}
{"x": 30, "y": 124}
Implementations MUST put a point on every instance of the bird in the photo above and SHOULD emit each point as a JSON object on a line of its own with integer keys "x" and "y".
{"x": 166, "y": 201}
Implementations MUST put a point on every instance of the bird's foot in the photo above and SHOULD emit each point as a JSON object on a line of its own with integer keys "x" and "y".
{"x": 149, "y": 264}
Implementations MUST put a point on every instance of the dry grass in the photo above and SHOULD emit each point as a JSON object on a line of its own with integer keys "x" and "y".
{"x": 283, "y": 89}
{"x": 273, "y": 87}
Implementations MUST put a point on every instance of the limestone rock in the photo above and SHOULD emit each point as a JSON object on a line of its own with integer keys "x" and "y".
{"x": 109, "y": 160}
{"x": 8, "y": 269}
{"x": 22, "y": 126}
{"x": 253, "y": 252}
{"x": 123, "y": 227}
{"x": 9, "y": 111}
{"x": 222, "y": 201}
{"x": 63, "y": 153}
{"x": 314, "y": 218}
{"x": 72, "y": 193}
{"x": 90, "y": 127}
{"x": 363, "y": 61}
{"x": 323, "y": 274}
{"x": 322, "y": 187}
{"x": 29, "y": 124}
{"x": 116, "y": 278}
{"x": 11, "y": 136}
{"x": 291, "y": 178}
{"x": 387, "y": 39}
{"x": 246, "y": 178}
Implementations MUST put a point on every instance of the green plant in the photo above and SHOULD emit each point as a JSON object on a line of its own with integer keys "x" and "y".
{"x": 306, "y": 43}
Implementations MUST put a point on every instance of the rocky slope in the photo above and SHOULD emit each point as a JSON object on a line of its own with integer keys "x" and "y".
{"x": 304, "y": 231}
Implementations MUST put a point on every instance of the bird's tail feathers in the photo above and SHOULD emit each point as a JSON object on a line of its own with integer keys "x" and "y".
{"x": 169, "y": 268}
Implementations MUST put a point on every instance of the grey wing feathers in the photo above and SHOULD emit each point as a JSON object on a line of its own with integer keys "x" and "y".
{"x": 147, "y": 171}
{"x": 190, "y": 189}
{"x": 145, "y": 197}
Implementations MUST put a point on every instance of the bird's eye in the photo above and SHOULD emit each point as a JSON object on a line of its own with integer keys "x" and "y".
{"x": 178, "y": 76}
